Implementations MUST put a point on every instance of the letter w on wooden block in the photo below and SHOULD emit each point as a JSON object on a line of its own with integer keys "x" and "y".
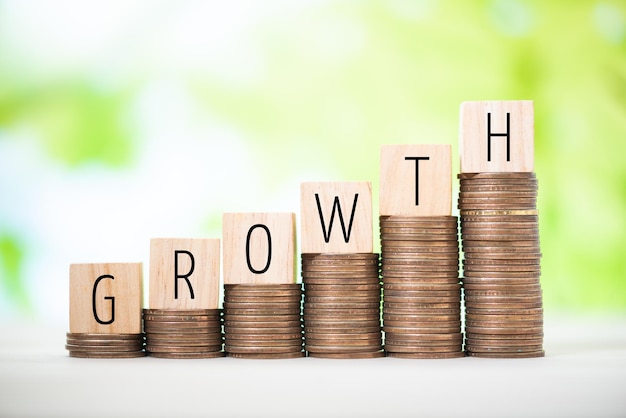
{"x": 106, "y": 298}
{"x": 497, "y": 136}
{"x": 184, "y": 273}
{"x": 415, "y": 180}
{"x": 259, "y": 248}
{"x": 336, "y": 217}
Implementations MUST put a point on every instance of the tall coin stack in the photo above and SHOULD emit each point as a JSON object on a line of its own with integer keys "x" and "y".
{"x": 105, "y": 345}
{"x": 342, "y": 305}
{"x": 499, "y": 232}
{"x": 263, "y": 320}
{"x": 421, "y": 290}
{"x": 183, "y": 334}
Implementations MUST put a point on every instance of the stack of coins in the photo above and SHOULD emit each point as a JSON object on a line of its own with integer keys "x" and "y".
{"x": 421, "y": 289}
{"x": 263, "y": 321}
{"x": 188, "y": 333}
{"x": 342, "y": 305}
{"x": 105, "y": 345}
{"x": 499, "y": 232}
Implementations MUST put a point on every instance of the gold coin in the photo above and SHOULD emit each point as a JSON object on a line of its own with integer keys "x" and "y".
{"x": 494, "y": 342}
{"x": 105, "y": 348}
{"x": 408, "y": 329}
{"x": 422, "y": 349}
{"x": 497, "y": 175}
{"x": 322, "y": 329}
{"x": 107, "y": 355}
{"x": 423, "y": 219}
{"x": 330, "y": 349}
{"x": 183, "y": 312}
{"x": 363, "y": 355}
{"x": 265, "y": 350}
{"x": 412, "y": 323}
{"x": 183, "y": 349}
{"x": 422, "y": 311}
{"x": 105, "y": 342}
{"x": 426, "y": 355}
{"x": 261, "y": 312}
{"x": 450, "y": 338}
{"x": 397, "y": 340}
{"x": 498, "y": 212}
{"x": 296, "y": 354}
{"x": 507, "y": 355}
{"x": 259, "y": 324}
{"x": 262, "y": 318}
{"x": 375, "y": 280}
{"x": 215, "y": 354}
{"x": 421, "y": 317}
{"x": 265, "y": 343}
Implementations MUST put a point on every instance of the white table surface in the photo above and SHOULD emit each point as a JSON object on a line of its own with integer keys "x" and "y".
{"x": 582, "y": 375}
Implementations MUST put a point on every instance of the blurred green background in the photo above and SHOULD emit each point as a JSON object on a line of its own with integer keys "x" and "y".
{"x": 126, "y": 120}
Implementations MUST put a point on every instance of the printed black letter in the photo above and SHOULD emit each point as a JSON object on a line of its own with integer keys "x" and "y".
{"x": 182, "y": 276}
{"x": 336, "y": 206}
{"x": 111, "y": 298}
{"x": 269, "y": 249}
{"x": 417, "y": 175}
{"x": 506, "y": 134}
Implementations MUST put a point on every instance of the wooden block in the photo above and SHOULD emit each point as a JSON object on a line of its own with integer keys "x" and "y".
{"x": 415, "y": 180}
{"x": 259, "y": 248}
{"x": 184, "y": 273}
{"x": 336, "y": 217}
{"x": 106, "y": 298}
{"x": 497, "y": 136}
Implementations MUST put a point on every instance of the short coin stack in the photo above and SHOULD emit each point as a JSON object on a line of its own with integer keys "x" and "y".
{"x": 105, "y": 345}
{"x": 342, "y": 305}
{"x": 499, "y": 232}
{"x": 263, "y": 321}
{"x": 183, "y": 334}
{"x": 421, "y": 290}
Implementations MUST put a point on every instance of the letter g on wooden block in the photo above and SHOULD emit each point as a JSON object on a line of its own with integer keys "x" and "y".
{"x": 336, "y": 217}
{"x": 106, "y": 298}
{"x": 184, "y": 273}
{"x": 259, "y": 248}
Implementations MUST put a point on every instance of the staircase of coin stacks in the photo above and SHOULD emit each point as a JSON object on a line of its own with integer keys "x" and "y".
{"x": 335, "y": 312}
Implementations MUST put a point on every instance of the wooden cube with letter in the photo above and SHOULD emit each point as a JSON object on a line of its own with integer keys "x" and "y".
{"x": 105, "y": 310}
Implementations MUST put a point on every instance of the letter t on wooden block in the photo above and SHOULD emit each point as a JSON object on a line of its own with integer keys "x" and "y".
{"x": 106, "y": 298}
{"x": 259, "y": 248}
{"x": 497, "y": 136}
{"x": 415, "y": 180}
{"x": 336, "y": 217}
{"x": 184, "y": 273}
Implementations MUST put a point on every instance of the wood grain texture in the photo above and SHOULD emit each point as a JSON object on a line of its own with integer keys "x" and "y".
{"x": 259, "y": 248}
{"x": 180, "y": 266}
{"x": 473, "y": 136}
{"x": 415, "y": 180}
{"x": 107, "y": 292}
{"x": 322, "y": 229}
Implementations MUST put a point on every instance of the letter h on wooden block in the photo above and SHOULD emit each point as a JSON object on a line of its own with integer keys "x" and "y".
{"x": 336, "y": 217}
{"x": 106, "y": 298}
{"x": 259, "y": 248}
{"x": 184, "y": 273}
{"x": 415, "y": 180}
{"x": 497, "y": 136}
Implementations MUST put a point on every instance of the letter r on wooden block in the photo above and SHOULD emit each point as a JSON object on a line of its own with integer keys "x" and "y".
{"x": 184, "y": 273}
{"x": 415, "y": 180}
{"x": 336, "y": 217}
{"x": 106, "y": 298}
{"x": 497, "y": 136}
{"x": 259, "y": 248}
